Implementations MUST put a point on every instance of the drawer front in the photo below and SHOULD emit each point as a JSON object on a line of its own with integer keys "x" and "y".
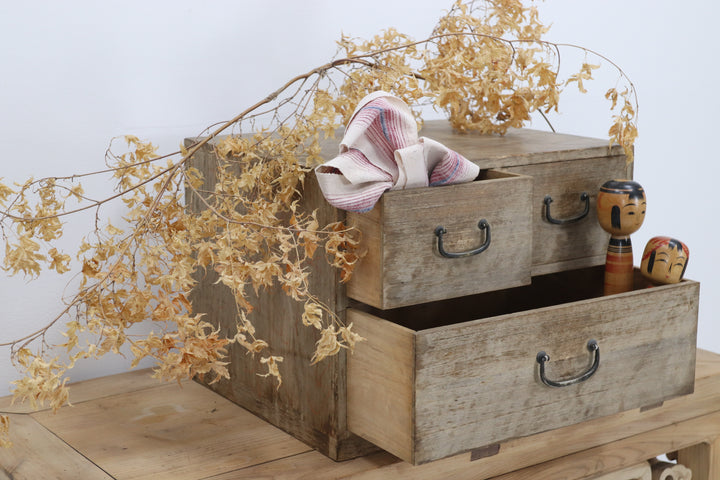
{"x": 428, "y": 394}
{"x": 404, "y": 262}
{"x": 577, "y": 240}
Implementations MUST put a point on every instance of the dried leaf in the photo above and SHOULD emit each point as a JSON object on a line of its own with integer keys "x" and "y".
{"x": 273, "y": 369}
{"x": 327, "y": 345}
{"x": 312, "y": 315}
{"x": 5, "y": 432}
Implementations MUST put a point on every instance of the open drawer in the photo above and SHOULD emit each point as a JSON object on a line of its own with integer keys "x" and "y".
{"x": 441, "y": 378}
{"x": 433, "y": 243}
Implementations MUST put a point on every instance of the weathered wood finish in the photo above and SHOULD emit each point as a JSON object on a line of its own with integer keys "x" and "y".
{"x": 581, "y": 450}
{"x": 562, "y": 166}
{"x": 475, "y": 382}
{"x": 375, "y": 386}
{"x": 403, "y": 265}
{"x": 690, "y": 424}
{"x": 312, "y": 401}
{"x": 579, "y": 244}
{"x": 518, "y": 147}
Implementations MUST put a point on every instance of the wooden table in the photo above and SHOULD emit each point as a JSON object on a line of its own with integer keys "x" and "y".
{"x": 128, "y": 426}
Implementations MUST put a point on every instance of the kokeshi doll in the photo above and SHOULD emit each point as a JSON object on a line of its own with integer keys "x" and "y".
{"x": 621, "y": 211}
{"x": 664, "y": 260}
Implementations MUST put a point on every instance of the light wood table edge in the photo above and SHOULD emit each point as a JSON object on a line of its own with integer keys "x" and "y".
{"x": 523, "y": 454}
{"x": 38, "y": 453}
{"x": 690, "y": 424}
{"x": 92, "y": 389}
{"x": 683, "y": 436}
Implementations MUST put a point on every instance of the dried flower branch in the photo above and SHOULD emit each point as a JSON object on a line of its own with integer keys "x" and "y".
{"x": 485, "y": 64}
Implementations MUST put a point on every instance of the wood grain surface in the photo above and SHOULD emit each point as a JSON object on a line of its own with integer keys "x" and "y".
{"x": 583, "y": 242}
{"x": 403, "y": 258}
{"x": 312, "y": 401}
{"x": 317, "y": 415}
{"x": 689, "y": 423}
{"x": 476, "y": 382}
{"x": 179, "y": 433}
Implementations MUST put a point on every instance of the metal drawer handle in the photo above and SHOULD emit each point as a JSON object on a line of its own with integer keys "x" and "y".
{"x": 482, "y": 225}
{"x": 584, "y": 197}
{"x": 543, "y": 357}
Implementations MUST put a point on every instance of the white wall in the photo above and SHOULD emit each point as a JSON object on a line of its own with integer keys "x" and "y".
{"x": 74, "y": 74}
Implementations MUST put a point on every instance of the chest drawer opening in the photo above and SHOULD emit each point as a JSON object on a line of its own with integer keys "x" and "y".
{"x": 544, "y": 291}
{"x": 445, "y": 377}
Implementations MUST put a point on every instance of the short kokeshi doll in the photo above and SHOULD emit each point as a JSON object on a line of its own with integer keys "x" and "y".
{"x": 664, "y": 260}
{"x": 621, "y": 211}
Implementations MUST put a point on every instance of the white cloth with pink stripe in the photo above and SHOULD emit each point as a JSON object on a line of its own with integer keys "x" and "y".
{"x": 381, "y": 151}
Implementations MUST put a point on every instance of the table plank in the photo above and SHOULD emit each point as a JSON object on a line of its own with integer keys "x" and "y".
{"x": 172, "y": 432}
{"x": 310, "y": 466}
{"x": 37, "y": 454}
{"x": 94, "y": 388}
{"x": 625, "y": 452}
{"x": 133, "y": 429}
{"x": 527, "y": 451}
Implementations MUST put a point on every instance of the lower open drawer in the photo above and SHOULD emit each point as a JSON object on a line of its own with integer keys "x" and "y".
{"x": 441, "y": 378}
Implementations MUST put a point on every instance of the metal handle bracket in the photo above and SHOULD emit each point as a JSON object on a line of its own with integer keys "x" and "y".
{"x": 482, "y": 225}
{"x": 584, "y": 197}
{"x": 543, "y": 358}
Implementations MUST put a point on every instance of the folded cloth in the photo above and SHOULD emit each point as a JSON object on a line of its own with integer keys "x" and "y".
{"x": 381, "y": 151}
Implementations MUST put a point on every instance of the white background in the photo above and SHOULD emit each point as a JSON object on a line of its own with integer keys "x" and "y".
{"x": 74, "y": 74}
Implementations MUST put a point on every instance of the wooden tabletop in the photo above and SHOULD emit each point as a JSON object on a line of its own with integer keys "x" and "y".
{"x": 129, "y": 426}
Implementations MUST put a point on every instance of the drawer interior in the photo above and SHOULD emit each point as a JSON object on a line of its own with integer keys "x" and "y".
{"x": 544, "y": 291}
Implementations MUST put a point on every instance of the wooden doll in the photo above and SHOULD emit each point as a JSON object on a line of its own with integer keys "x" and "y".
{"x": 664, "y": 260}
{"x": 621, "y": 212}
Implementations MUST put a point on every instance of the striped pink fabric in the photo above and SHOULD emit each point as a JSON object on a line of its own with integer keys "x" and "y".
{"x": 381, "y": 151}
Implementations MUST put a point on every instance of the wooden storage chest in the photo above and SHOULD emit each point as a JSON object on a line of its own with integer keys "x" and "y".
{"x": 469, "y": 376}
{"x": 434, "y": 381}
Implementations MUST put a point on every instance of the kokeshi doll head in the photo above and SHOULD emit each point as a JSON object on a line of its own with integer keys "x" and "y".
{"x": 621, "y": 207}
{"x": 664, "y": 260}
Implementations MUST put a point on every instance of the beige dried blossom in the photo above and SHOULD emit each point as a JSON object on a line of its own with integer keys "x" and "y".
{"x": 5, "y": 441}
{"x": 485, "y": 64}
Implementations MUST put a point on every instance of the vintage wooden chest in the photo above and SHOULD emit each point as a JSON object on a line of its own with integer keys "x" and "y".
{"x": 461, "y": 374}
{"x": 452, "y": 358}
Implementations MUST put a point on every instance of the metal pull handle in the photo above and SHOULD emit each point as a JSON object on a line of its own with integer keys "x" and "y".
{"x": 482, "y": 225}
{"x": 584, "y": 197}
{"x": 543, "y": 357}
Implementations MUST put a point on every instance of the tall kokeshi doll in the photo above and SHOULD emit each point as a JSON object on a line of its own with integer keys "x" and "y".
{"x": 621, "y": 211}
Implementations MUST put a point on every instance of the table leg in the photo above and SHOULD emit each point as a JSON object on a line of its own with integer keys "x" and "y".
{"x": 702, "y": 459}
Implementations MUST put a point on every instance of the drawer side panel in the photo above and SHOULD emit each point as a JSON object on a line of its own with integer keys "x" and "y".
{"x": 381, "y": 384}
{"x": 364, "y": 284}
{"x": 477, "y": 383}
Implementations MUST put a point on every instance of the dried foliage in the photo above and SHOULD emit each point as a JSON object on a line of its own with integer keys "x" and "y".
{"x": 485, "y": 64}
